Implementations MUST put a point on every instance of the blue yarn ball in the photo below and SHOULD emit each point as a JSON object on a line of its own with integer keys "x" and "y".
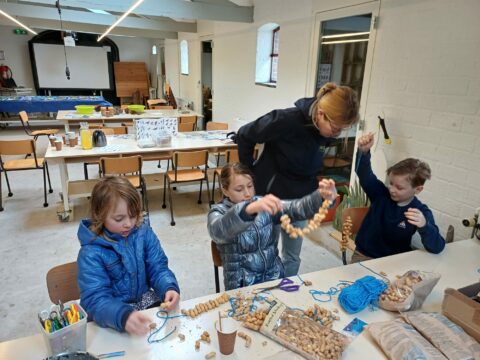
{"x": 361, "y": 293}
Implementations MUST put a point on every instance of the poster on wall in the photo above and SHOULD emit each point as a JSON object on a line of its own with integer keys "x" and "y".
{"x": 324, "y": 73}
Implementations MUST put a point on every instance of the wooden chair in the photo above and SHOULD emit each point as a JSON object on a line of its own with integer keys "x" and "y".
{"x": 35, "y": 133}
{"x": 106, "y": 131}
{"x": 217, "y": 262}
{"x": 160, "y": 107}
{"x": 118, "y": 130}
{"x": 188, "y": 119}
{"x": 186, "y": 127}
{"x": 357, "y": 215}
{"x": 129, "y": 167}
{"x": 22, "y": 147}
{"x": 231, "y": 156}
{"x": 211, "y": 126}
{"x": 192, "y": 160}
{"x": 62, "y": 283}
{"x": 156, "y": 102}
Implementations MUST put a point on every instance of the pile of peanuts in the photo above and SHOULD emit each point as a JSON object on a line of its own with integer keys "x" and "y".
{"x": 346, "y": 233}
{"x": 248, "y": 339}
{"x": 254, "y": 320}
{"x": 313, "y": 223}
{"x": 322, "y": 315}
{"x": 319, "y": 342}
{"x": 206, "y": 306}
{"x": 401, "y": 288}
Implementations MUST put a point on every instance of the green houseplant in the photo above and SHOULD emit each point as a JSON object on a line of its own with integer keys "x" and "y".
{"x": 355, "y": 197}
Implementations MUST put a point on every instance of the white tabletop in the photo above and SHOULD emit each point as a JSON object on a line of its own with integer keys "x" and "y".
{"x": 458, "y": 265}
{"x": 126, "y": 144}
{"x": 72, "y": 115}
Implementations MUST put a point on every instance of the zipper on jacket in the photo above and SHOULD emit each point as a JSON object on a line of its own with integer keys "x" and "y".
{"x": 261, "y": 252}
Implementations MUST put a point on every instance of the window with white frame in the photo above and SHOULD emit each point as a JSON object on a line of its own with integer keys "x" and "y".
{"x": 268, "y": 39}
{"x": 184, "y": 57}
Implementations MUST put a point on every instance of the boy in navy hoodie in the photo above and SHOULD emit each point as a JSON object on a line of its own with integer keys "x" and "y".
{"x": 395, "y": 213}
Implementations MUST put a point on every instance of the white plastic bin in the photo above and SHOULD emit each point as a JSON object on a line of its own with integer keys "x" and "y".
{"x": 69, "y": 339}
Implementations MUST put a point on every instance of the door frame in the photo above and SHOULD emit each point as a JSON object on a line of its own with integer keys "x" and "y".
{"x": 200, "y": 94}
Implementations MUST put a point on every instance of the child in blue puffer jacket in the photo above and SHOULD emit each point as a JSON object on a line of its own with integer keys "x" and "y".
{"x": 121, "y": 266}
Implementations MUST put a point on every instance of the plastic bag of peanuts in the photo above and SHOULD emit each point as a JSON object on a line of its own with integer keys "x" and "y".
{"x": 409, "y": 291}
{"x": 299, "y": 333}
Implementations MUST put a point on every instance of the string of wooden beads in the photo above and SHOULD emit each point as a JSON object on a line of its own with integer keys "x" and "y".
{"x": 206, "y": 306}
{"x": 346, "y": 233}
{"x": 313, "y": 223}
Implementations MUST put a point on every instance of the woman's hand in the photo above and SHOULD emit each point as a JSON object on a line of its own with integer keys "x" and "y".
{"x": 327, "y": 189}
{"x": 269, "y": 203}
{"x": 172, "y": 297}
{"x": 365, "y": 142}
{"x": 138, "y": 324}
{"x": 415, "y": 217}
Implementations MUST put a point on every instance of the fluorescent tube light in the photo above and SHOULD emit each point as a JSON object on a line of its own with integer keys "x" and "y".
{"x": 97, "y": 11}
{"x": 342, "y": 41}
{"x": 17, "y": 22}
{"x": 133, "y": 7}
{"x": 346, "y": 35}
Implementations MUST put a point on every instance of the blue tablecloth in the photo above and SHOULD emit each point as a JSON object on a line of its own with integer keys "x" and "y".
{"x": 15, "y": 104}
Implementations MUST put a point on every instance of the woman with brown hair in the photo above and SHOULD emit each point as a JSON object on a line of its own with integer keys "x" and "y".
{"x": 294, "y": 141}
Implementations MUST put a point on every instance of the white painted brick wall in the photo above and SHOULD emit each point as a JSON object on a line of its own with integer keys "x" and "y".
{"x": 426, "y": 81}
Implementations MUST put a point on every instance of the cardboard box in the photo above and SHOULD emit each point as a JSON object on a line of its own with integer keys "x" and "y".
{"x": 459, "y": 307}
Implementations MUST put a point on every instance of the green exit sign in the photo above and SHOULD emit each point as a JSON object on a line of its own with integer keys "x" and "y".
{"x": 19, "y": 32}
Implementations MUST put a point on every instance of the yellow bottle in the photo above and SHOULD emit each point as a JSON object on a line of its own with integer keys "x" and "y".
{"x": 86, "y": 139}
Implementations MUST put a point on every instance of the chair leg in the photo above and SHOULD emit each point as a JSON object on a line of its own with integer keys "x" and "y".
{"x": 1, "y": 199}
{"x": 208, "y": 188}
{"x": 164, "y": 190}
{"x": 212, "y": 198}
{"x": 199, "y": 201}
{"x": 85, "y": 171}
{"x": 45, "y": 203}
{"x": 50, "y": 190}
{"x": 159, "y": 164}
{"x": 171, "y": 204}
{"x": 10, "y": 194}
{"x": 145, "y": 199}
{"x": 217, "y": 279}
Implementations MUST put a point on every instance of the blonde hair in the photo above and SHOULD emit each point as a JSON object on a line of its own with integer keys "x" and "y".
{"x": 105, "y": 196}
{"x": 339, "y": 103}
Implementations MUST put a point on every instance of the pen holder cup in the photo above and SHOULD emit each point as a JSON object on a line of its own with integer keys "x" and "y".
{"x": 71, "y": 338}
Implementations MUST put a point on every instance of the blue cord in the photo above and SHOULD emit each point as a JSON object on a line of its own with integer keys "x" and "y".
{"x": 162, "y": 315}
{"x": 384, "y": 278}
{"x": 361, "y": 293}
{"x": 317, "y": 294}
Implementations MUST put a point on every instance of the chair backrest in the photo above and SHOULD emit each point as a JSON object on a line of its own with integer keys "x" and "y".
{"x": 212, "y": 125}
{"x": 17, "y": 147}
{"x": 62, "y": 283}
{"x": 95, "y": 126}
{"x": 190, "y": 158}
{"x": 187, "y": 119}
{"x": 217, "y": 260}
{"x": 231, "y": 156}
{"x": 121, "y": 165}
{"x": 118, "y": 130}
{"x": 23, "y": 117}
{"x": 186, "y": 127}
{"x": 159, "y": 102}
{"x": 357, "y": 215}
{"x": 106, "y": 131}
{"x": 160, "y": 107}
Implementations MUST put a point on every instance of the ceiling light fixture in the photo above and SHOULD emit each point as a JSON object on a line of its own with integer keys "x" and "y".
{"x": 345, "y": 35}
{"x": 133, "y": 7}
{"x": 17, "y": 22}
{"x": 343, "y": 41}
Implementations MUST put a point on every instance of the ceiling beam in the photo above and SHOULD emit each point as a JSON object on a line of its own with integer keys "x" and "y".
{"x": 88, "y": 28}
{"x": 89, "y": 18}
{"x": 219, "y": 10}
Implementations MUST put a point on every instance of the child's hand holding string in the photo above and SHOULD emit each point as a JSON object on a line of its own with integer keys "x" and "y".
{"x": 172, "y": 298}
{"x": 365, "y": 142}
{"x": 138, "y": 324}
{"x": 269, "y": 203}
{"x": 415, "y": 217}
{"x": 327, "y": 189}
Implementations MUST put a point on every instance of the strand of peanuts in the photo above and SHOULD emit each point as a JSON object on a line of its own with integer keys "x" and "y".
{"x": 206, "y": 306}
{"x": 248, "y": 339}
{"x": 346, "y": 233}
{"x": 313, "y": 223}
{"x": 401, "y": 288}
{"x": 321, "y": 343}
{"x": 322, "y": 315}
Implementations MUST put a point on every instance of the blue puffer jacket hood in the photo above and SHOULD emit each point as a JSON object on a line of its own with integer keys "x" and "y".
{"x": 248, "y": 245}
{"x": 115, "y": 271}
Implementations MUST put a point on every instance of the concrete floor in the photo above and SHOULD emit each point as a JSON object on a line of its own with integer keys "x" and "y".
{"x": 33, "y": 241}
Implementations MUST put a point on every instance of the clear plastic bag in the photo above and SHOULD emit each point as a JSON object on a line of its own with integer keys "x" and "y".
{"x": 409, "y": 291}
{"x": 295, "y": 331}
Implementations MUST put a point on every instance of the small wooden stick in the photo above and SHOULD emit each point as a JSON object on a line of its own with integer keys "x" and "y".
{"x": 220, "y": 321}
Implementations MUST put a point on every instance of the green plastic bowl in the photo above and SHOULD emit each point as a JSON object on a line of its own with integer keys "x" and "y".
{"x": 85, "y": 109}
{"x": 137, "y": 108}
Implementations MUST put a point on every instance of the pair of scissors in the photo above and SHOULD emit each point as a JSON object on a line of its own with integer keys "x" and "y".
{"x": 286, "y": 285}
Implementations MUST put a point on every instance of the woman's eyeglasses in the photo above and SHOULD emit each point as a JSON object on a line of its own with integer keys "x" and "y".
{"x": 335, "y": 128}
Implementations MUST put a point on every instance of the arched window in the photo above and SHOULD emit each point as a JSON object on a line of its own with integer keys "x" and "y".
{"x": 154, "y": 50}
{"x": 268, "y": 40}
{"x": 184, "y": 57}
